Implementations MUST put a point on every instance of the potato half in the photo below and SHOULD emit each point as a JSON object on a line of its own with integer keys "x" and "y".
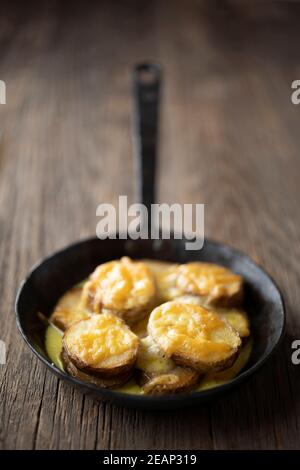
{"x": 216, "y": 284}
{"x": 236, "y": 317}
{"x": 67, "y": 310}
{"x": 193, "y": 336}
{"x": 102, "y": 345}
{"x": 160, "y": 375}
{"x": 125, "y": 288}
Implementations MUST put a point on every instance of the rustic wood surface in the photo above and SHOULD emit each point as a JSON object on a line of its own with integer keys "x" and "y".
{"x": 229, "y": 138}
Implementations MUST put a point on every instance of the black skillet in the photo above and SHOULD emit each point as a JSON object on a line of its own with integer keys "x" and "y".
{"x": 50, "y": 278}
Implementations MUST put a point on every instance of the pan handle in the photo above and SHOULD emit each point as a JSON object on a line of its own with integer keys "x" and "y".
{"x": 146, "y": 87}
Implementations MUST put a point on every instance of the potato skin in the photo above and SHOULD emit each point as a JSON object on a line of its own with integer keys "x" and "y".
{"x": 103, "y": 382}
{"x": 178, "y": 380}
{"x": 103, "y": 372}
{"x": 204, "y": 367}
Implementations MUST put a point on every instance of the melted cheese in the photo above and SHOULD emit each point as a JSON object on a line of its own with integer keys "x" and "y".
{"x": 193, "y": 331}
{"x": 236, "y": 317}
{"x": 98, "y": 338}
{"x": 151, "y": 360}
{"x": 119, "y": 286}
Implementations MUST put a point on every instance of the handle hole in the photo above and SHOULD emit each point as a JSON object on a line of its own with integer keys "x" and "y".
{"x": 147, "y": 74}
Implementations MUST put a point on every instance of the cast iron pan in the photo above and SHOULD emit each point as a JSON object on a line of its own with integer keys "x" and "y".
{"x": 51, "y": 277}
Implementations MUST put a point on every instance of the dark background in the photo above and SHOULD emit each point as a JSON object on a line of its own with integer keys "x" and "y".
{"x": 229, "y": 138}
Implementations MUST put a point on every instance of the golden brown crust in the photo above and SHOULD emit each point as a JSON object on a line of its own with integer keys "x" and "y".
{"x": 101, "y": 345}
{"x": 217, "y": 285}
{"x": 193, "y": 336}
{"x": 108, "y": 382}
{"x": 123, "y": 287}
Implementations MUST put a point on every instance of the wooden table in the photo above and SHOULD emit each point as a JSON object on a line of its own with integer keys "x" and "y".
{"x": 229, "y": 138}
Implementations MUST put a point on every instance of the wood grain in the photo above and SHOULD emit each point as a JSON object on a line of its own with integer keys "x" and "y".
{"x": 229, "y": 139}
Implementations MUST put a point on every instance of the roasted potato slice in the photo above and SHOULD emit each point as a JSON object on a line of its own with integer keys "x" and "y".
{"x": 104, "y": 382}
{"x": 178, "y": 380}
{"x": 102, "y": 344}
{"x": 236, "y": 317}
{"x": 67, "y": 310}
{"x": 160, "y": 375}
{"x": 193, "y": 336}
{"x": 125, "y": 288}
{"x": 216, "y": 284}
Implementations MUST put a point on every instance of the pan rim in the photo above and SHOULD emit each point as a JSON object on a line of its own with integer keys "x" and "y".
{"x": 180, "y": 398}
